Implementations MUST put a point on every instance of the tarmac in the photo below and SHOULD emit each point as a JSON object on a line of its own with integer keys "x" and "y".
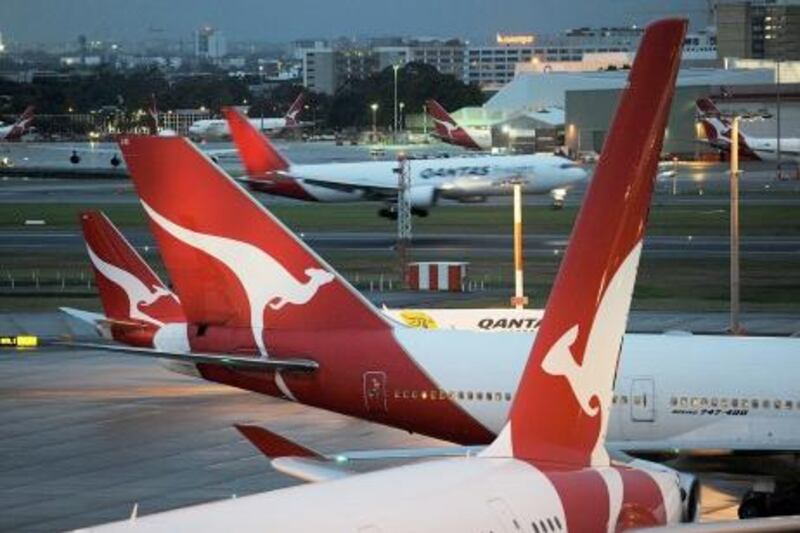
{"x": 88, "y": 435}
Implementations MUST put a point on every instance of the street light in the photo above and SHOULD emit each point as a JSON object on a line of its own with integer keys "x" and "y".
{"x": 374, "y": 108}
{"x": 734, "y": 221}
{"x": 395, "y": 68}
{"x": 402, "y": 122}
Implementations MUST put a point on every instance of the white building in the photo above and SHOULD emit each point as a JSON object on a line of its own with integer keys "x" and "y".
{"x": 209, "y": 43}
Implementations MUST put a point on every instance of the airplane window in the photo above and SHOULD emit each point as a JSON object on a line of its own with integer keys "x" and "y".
{"x": 479, "y": 396}
{"x": 684, "y": 401}
{"x": 755, "y": 404}
{"x": 714, "y": 402}
{"x": 406, "y": 395}
{"x": 469, "y": 395}
{"x": 624, "y": 399}
{"x": 703, "y": 401}
{"x": 424, "y": 395}
{"x": 413, "y": 395}
{"x": 777, "y": 404}
{"x": 673, "y": 401}
{"x": 695, "y": 402}
{"x": 489, "y": 396}
{"x": 498, "y": 397}
{"x": 461, "y": 395}
{"x": 745, "y": 403}
{"x": 735, "y": 402}
{"x": 637, "y": 400}
{"x": 723, "y": 402}
{"x": 765, "y": 404}
{"x": 787, "y": 404}
{"x": 396, "y": 394}
{"x": 451, "y": 395}
{"x": 508, "y": 396}
{"x": 442, "y": 394}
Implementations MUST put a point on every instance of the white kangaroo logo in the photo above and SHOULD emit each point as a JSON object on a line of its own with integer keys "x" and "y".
{"x": 138, "y": 293}
{"x": 265, "y": 280}
{"x": 594, "y": 377}
{"x": 449, "y": 126}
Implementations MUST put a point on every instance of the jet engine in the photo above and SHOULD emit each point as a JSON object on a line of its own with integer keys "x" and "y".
{"x": 690, "y": 496}
{"x": 422, "y": 196}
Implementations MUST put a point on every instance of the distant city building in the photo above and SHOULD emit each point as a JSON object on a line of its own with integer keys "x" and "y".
{"x": 209, "y": 43}
{"x": 759, "y": 29}
{"x": 2, "y": 45}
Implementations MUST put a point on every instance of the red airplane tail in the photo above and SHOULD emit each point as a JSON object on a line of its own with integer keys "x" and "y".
{"x": 257, "y": 152}
{"x": 442, "y": 121}
{"x": 294, "y": 110}
{"x": 21, "y": 125}
{"x": 233, "y": 263}
{"x": 129, "y": 290}
{"x": 560, "y": 413}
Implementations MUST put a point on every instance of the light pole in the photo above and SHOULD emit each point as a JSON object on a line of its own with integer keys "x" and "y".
{"x": 374, "y": 108}
{"x": 519, "y": 300}
{"x": 735, "y": 328}
{"x": 425, "y": 122}
{"x": 395, "y": 68}
{"x": 402, "y": 121}
{"x": 778, "y": 115}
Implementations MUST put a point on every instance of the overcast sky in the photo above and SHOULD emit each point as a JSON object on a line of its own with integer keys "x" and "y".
{"x": 283, "y": 20}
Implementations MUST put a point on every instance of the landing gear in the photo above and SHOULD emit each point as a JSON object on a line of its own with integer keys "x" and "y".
{"x": 390, "y": 212}
{"x": 115, "y": 161}
{"x": 782, "y": 500}
{"x": 74, "y": 158}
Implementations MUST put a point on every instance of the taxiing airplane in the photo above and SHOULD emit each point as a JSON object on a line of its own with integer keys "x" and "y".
{"x": 465, "y": 179}
{"x": 449, "y": 131}
{"x": 15, "y": 131}
{"x": 718, "y": 133}
{"x": 548, "y": 468}
{"x": 218, "y": 128}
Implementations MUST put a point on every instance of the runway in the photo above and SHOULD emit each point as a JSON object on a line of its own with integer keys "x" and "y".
{"x": 34, "y": 239}
{"x": 87, "y": 435}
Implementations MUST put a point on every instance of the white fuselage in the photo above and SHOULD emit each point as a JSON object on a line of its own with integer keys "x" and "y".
{"x": 672, "y": 391}
{"x": 470, "y": 494}
{"x": 451, "y": 178}
{"x": 766, "y": 148}
{"x": 218, "y": 128}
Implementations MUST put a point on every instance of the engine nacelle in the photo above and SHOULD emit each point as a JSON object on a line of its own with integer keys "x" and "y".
{"x": 422, "y": 196}
{"x": 690, "y": 497}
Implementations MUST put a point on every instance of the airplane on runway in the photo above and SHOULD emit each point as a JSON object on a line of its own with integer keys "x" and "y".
{"x": 218, "y": 128}
{"x": 548, "y": 468}
{"x": 384, "y": 377}
{"x": 465, "y": 179}
{"x": 15, "y": 131}
{"x": 718, "y": 132}
{"x": 449, "y": 131}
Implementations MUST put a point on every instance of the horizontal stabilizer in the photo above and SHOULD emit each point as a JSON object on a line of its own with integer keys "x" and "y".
{"x": 273, "y": 445}
{"x": 236, "y": 363}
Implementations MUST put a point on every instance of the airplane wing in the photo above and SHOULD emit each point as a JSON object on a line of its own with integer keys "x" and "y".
{"x": 298, "y": 461}
{"x": 229, "y": 361}
{"x": 370, "y": 191}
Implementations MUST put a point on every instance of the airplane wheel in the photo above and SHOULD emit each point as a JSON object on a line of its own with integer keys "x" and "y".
{"x": 753, "y": 505}
{"x": 388, "y": 213}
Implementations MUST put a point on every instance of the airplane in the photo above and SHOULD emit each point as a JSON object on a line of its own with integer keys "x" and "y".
{"x": 548, "y": 469}
{"x": 718, "y": 132}
{"x": 218, "y": 128}
{"x": 449, "y": 131}
{"x": 464, "y": 179}
{"x": 15, "y": 131}
{"x": 397, "y": 367}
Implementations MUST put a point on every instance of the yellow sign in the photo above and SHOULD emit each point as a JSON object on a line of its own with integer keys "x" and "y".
{"x": 418, "y": 319}
{"x": 19, "y": 341}
{"x": 515, "y": 39}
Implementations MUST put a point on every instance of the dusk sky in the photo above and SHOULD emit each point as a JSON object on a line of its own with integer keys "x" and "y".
{"x": 283, "y": 20}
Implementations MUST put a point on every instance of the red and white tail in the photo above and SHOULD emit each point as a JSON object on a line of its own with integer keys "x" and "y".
{"x": 294, "y": 110}
{"x": 259, "y": 156}
{"x": 129, "y": 290}
{"x": 21, "y": 125}
{"x": 448, "y": 129}
{"x": 231, "y": 261}
{"x": 443, "y": 122}
{"x": 560, "y": 413}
